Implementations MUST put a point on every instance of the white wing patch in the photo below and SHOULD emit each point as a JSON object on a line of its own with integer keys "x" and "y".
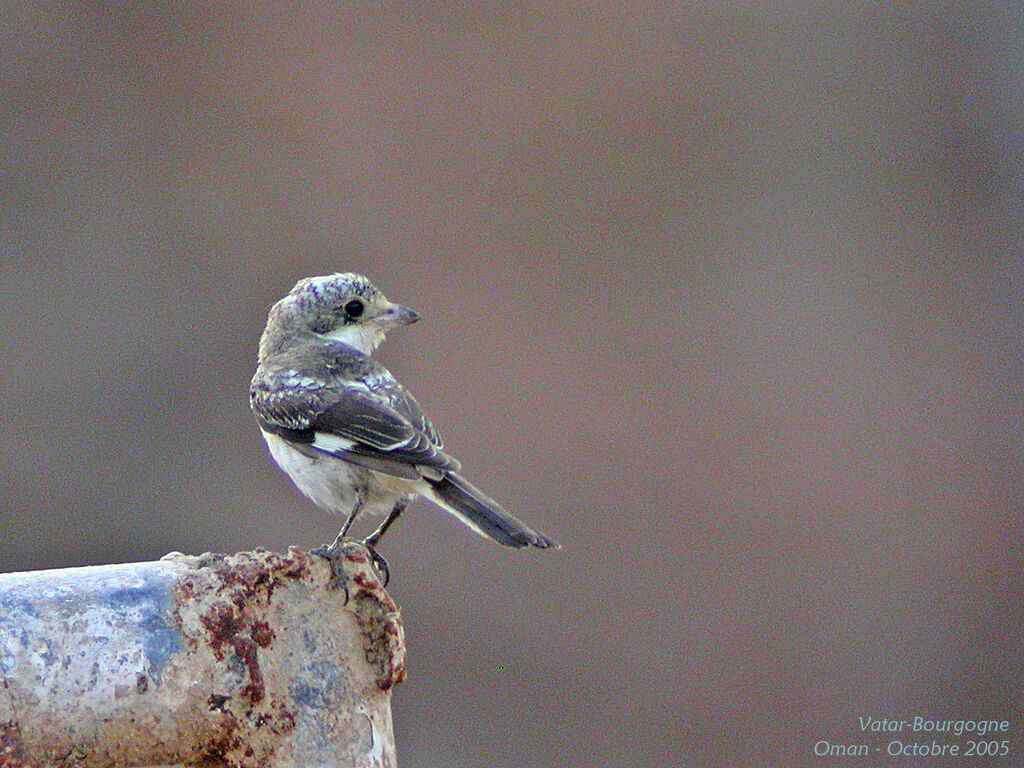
{"x": 329, "y": 443}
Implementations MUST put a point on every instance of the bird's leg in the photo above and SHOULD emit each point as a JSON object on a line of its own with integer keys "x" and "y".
{"x": 332, "y": 552}
{"x": 335, "y": 545}
{"x": 398, "y": 509}
{"x": 370, "y": 542}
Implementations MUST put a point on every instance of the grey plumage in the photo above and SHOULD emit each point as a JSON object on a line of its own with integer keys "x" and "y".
{"x": 350, "y": 436}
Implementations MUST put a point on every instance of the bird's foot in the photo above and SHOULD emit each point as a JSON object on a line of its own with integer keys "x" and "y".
{"x": 378, "y": 559}
{"x": 332, "y": 554}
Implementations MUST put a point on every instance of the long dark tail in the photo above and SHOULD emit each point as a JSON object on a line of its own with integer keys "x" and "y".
{"x": 484, "y": 515}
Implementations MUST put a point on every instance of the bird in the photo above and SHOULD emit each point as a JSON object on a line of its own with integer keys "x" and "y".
{"x": 347, "y": 433}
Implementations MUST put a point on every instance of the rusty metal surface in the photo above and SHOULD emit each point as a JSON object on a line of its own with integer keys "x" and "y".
{"x": 76, "y": 643}
{"x": 11, "y": 753}
{"x": 252, "y": 659}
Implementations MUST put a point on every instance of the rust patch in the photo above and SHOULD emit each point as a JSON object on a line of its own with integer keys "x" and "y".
{"x": 383, "y": 640}
{"x": 12, "y": 749}
{"x": 356, "y": 555}
{"x": 224, "y": 741}
{"x": 227, "y": 599}
{"x": 227, "y": 627}
{"x": 222, "y": 606}
{"x": 279, "y": 720}
{"x": 12, "y": 754}
{"x": 243, "y": 587}
{"x": 262, "y": 634}
{"x": 379, "y": 618}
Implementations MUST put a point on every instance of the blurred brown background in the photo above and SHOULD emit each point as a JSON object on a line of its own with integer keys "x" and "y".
{"x": 728, "y": 300}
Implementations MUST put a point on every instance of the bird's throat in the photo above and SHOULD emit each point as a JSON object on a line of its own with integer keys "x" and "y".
{"x": 364, "y": 338}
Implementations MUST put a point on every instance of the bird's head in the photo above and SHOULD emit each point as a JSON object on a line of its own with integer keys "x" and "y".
{"x": 344, "y": 306}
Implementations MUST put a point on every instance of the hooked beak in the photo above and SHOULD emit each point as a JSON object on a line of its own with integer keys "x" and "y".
{"x": 396, "y": 315}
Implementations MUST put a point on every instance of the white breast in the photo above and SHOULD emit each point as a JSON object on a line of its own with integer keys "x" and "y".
{"x": 336, "y": 485}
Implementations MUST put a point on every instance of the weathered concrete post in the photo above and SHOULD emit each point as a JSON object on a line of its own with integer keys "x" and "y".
{"x": 244, "y": 660}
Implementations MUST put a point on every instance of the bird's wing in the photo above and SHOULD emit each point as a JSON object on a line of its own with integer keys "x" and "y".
{"x": 375, "y": 425}
{"x": 399, "y": 398}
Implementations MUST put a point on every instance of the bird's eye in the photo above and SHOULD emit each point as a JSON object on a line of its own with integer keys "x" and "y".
{"x": 354, "y": 308}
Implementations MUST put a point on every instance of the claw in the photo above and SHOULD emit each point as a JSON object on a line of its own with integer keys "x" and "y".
{"x": 333, "y": 555}
{"x": 378, "y": 560}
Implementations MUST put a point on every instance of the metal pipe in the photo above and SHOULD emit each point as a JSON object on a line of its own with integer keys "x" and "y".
{"x": 254, "y": 659}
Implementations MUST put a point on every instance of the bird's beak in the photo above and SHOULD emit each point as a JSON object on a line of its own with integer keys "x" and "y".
{"x": 395, "y": 315}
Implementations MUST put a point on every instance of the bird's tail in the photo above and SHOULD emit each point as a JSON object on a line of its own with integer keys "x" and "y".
{"x": 484, "y": 515}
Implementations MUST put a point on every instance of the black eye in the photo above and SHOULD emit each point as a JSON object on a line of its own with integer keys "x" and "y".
{"x": 354, "y": 308}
